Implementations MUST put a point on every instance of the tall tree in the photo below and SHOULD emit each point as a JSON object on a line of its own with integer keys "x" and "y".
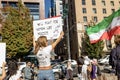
{"x": 17, "y": 30}
{"x": 93, "y": 50}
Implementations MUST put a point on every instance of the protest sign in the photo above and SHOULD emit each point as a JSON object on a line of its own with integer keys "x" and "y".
{"x": 50, "y": 28}
{"x": 2, "y": 53}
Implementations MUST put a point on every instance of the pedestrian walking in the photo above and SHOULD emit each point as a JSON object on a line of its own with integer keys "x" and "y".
{"x": 84, "y": 73}
{"x": 2, "y": 77}
{"x": 80, "y": 62}
{"x": 94, "y": 70}
{"x": 69, "y": 74}
{"x": 27, "y": 71}
{"x": 42, "y": 51}
{"x": 114, "y": 59}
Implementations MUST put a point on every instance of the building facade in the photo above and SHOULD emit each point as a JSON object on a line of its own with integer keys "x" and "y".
{"x": 85, "y": 12}
{"x": 39, "y": 9}
{"x": 36, "y": 7}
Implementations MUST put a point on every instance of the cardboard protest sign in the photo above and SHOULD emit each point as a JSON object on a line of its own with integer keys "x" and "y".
{"x": 2, "y": 53}
{"x": 50, "y": 28}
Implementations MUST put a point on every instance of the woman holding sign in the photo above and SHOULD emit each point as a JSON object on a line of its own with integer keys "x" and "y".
{"x": 42, "y": 51}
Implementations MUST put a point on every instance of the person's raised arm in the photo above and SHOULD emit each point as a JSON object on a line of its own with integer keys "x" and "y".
{"x": 57, "y": 40}
{"x": 34, "y": 42}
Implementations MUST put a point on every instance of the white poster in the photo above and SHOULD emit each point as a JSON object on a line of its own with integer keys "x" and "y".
{"x": 50, "y": 28}
{"x": 2, "y": 53}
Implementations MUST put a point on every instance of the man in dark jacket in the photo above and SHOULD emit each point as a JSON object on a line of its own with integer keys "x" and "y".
{"x": 80, "y": 62}
{"x": 115, "y": 56}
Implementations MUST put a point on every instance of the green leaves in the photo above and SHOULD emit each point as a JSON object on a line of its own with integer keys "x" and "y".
{"x": 93, "y": 50}
{"x": 17, "y": 30}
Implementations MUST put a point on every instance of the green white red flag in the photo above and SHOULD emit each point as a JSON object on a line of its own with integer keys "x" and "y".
{"x": 105, "y": 29}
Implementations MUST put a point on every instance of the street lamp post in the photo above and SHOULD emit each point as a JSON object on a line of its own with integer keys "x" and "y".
{"x": 68, "y": 39}
{"x": 66, "y": 10}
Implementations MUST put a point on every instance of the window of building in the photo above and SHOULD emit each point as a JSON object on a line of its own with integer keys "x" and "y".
{"x": 36, "y": 16}
{"x": 113, "y": 10}
{"x": 13, "y": 4}
{"x": 95, "y": 18}
{"x": 104, "y": 11}
{"x": 103, "y": 3}
{"x": 34, "y": 10}
{"x": 94, "y": 10}
{"x": 33, "y": 7}
{"x": 85, "y": 18}
{"x": 61, "y": 7}
{"x": 84, "y": 10}
{"x": 104, "y": 17}
{"x": 112, "y": 3}
{"x": 93, "y": 2}
{"x": 85, "y": 27}
{"x": 61, "y": 12}
{"x": 83, "y": 2}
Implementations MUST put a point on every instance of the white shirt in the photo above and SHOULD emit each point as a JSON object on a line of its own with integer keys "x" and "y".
{"x": 44, "y": 56}
{"x": 16, "y": 76}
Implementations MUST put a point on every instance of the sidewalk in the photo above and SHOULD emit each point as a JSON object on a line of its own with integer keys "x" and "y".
{"x": 75, "y": 78}
{"x": 106, "y": 76}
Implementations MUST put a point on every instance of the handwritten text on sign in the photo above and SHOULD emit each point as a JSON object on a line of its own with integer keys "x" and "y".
{"x": 50, "y": 28}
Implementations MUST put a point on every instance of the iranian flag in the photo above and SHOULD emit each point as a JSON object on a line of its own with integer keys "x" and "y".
{"x": 105, "y": 29}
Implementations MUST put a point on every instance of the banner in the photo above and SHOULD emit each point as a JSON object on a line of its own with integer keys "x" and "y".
{"x": 2, "y": 53}
{"x": 50, "y": 28}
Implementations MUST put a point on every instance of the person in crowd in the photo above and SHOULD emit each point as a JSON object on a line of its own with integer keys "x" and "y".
{"x": 89, "y": 69}
{"x": 13, "y": 72}
{"x": 42, "y": 51}
{"x": 3, "y": 71}
{"x": 80, "y": 62}
{"x": 28, "y": 71}
{"x": 69, "y": 74}
{"x": 84, "y": 74}
{"x": 114, "y": 59}
{"x": 33, "y": 71}
{"x": 94, "y": 69}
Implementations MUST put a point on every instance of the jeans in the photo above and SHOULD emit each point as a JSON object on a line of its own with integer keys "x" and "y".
{"x": 45, "y": 75}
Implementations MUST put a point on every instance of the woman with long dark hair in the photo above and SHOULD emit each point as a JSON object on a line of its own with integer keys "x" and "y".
{"x": 13, "y": 70}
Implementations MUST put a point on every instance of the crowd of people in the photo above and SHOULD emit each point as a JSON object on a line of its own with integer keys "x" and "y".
{"x": 88, "y": 69}
{"x": 13, "y": 71}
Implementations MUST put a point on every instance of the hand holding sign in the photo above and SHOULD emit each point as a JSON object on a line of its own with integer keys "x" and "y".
{"x": 50, "y": 27}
